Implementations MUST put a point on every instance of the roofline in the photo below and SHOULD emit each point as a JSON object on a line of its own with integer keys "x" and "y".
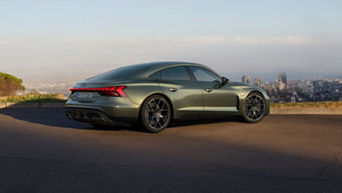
{"x": 157, "y": 66}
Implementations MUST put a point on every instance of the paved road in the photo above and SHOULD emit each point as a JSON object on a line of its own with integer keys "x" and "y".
{"x": 42, "y": 151}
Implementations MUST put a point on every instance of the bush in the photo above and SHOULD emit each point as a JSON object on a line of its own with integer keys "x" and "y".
{"x": 9, "y": 84}
{"x": 33, "y": 98}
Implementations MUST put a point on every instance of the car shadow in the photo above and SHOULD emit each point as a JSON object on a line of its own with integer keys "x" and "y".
{"x": 55, "y": 116}
{"x": 205, "y": 120}
{"x": 50, "y": 117}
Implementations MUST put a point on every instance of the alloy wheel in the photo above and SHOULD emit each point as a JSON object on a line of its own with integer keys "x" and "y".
{"x": 254, "y": 107}
{"x": 157, "y": 114}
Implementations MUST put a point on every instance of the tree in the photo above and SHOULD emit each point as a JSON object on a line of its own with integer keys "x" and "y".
{"x": 10, "y": 84}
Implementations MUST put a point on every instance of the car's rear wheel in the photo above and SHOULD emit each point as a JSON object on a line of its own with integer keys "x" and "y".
{"x": 254, "y": 107}
{"x": 155, "y": 113}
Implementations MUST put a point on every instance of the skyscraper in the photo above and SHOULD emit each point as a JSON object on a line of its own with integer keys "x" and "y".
{"x": 282, "y": 78}
{"x": 245, "y": 79}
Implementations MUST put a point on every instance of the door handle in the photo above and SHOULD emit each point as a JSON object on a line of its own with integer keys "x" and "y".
{"x": 172, "y": 89}
{"x": 208, "y": 89}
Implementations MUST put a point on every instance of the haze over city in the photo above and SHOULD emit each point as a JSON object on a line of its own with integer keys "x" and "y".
{"x": 59, "y": 39}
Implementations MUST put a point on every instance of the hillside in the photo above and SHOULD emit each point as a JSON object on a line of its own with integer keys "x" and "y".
{"x": 9, "y": 84}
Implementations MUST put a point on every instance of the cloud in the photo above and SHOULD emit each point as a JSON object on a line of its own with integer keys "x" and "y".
{"x": 48, "y": 55}
{"x": 222, "y": 39}
{"x": 280, "y": 40}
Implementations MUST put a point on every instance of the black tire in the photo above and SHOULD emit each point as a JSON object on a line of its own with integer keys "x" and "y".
{"x": 155, "y": 114}
{"x": 254, "y": 107}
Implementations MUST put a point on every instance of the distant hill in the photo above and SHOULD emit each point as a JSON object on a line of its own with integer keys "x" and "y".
{"x": 9, "y": 84}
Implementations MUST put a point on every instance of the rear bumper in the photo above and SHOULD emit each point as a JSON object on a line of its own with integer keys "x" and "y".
{"x": 88, "y": 115}
{"x": 109, "y": 111}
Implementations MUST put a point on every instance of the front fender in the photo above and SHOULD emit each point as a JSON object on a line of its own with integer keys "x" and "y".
{"x": 244, "y": 92}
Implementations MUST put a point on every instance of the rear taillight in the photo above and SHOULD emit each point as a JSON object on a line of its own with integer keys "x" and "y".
{"x": 115, "y": 91}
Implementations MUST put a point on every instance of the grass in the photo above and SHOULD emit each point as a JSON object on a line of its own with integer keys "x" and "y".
{"x": 39, "y": 98}
{"x": 325, "y": 104}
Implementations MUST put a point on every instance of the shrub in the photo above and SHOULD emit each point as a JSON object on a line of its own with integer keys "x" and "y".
{"x": 9, "y": 84}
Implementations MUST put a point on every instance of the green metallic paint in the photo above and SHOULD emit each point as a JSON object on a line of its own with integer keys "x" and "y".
{"x": 189, "y": 97}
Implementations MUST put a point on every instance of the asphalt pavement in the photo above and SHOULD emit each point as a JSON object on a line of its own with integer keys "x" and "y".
{"x": 42, "y": 151}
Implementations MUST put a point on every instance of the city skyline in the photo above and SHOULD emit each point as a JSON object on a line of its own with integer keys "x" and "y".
{"x": 280, "y": 90}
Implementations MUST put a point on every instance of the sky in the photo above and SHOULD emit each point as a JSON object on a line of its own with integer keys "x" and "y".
{"x": 46, "y": 38}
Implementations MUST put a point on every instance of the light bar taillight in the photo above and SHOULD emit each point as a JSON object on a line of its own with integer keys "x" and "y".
{"x": 115, "y": 91}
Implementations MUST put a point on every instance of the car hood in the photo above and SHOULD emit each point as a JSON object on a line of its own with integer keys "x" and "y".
{"x": 243, "y": 85}
{"x": 238, "y": 84}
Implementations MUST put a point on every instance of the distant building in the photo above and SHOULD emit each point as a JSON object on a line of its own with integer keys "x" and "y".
{"x": 291, "y": 82}
{"x": 281, "y": 85}
{"x": 336, "y": 80}
{"x": 245, "y": 79}
{"x": 282, "y": 77}
{"x": 257, "y": 81}
{"x": 318, "y": 86}
{"x": 329, "y": 89}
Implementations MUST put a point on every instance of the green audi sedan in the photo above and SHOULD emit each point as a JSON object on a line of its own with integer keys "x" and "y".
{"x": 155, "y": 94}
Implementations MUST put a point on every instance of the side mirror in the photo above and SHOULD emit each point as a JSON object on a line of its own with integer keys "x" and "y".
{"x": 225, "y": 80}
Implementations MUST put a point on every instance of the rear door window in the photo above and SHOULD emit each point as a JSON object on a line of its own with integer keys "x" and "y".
{"x": 155, "y": 76}
{"x": 175, "y": 73}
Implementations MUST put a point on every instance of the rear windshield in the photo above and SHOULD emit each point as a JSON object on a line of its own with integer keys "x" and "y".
{"x": 119, "y": 73}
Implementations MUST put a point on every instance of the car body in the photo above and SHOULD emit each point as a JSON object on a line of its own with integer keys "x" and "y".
{"x": 186, "y": 89}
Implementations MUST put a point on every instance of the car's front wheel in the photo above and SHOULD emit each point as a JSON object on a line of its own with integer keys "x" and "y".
{"x": 254, "y": 107}
{"x": 155, "y": 113}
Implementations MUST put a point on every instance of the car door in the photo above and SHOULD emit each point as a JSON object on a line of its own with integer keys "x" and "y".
{"x": 178, "y": 85}
{"x": 216, "y": 97}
